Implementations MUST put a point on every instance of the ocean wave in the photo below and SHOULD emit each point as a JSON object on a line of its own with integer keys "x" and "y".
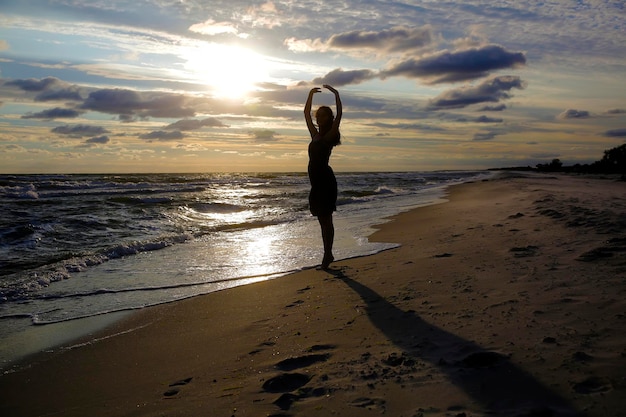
{"x": 206, "y": 208}
{"x": 19, "y": 192}
{"x": 49, "y": 317}
{"x": 22, "y": 286}
{"x": 140, "y": 200}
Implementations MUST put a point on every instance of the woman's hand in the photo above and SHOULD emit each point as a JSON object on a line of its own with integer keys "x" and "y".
{"x": 315, "y": 90}
{"x": 331, "y": 89}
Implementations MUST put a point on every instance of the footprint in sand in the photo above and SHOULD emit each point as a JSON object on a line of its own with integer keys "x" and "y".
{"x": 524, "y": 252}
{"x": 286, "y": 382}
{"x": 291, "y": 364}
{"x": 174, "y": 387}
{"x": 302, "y": 290}
{"x": 295, "y": 304}
{"x": 369, "y": 403}
{"x": 593, "y": 385}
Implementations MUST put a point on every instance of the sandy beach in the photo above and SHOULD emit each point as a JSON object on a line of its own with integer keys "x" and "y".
{"x": 508, "y": 300}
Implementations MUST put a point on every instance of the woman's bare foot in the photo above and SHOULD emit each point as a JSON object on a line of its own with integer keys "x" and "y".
{"x": 327, "y": 260}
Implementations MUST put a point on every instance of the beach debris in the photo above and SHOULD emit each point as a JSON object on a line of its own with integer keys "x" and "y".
{"x": 443, "y": 255}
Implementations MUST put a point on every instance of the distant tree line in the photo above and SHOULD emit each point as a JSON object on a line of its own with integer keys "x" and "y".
{"x": 613, "y": 162}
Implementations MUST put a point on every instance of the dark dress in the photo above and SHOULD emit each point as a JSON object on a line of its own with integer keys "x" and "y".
{"x": 323, "y": 195}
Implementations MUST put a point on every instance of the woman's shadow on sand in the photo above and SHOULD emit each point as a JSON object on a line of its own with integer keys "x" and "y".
{"x": 490, "y": 378}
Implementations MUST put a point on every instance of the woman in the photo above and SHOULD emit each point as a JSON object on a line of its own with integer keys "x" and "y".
{"x": 323, "y": 195}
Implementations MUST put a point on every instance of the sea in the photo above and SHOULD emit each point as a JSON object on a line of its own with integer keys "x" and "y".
{"x": 78, "y": 252}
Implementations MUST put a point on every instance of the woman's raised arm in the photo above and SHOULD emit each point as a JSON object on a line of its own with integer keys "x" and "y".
{"x": 307, "y": 111}
{"x": 339, "y": 109}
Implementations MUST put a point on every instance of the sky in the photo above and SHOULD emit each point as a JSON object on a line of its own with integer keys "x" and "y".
{"x": 134, "y": 86}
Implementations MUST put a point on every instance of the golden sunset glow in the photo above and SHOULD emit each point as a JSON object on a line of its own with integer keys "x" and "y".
{"x": 220, "y": 86}
{"x": 230, "y": 71}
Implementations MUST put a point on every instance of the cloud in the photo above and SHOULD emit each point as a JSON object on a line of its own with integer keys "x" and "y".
{"x": 490, "y": 90}
{"x": 486, "y": 119}
{"x": 617, "y": 111}
{"x": 211, "y": 27}
{"x": 79, "y": 130}
{"x": 304, "y": 45}
{"x": 407, "y": 126}
{"x": 445, "y": 66}
{"x": 499, "y": 107}
{"x": 32, "y": 84}
{"x": 55, "y": 113}
{"x": 484, "y": 136}
{"x": 574, "y": 114}
{"x": 397, "y": 39}
{"x": 163, "y": 135}
{"x": 131, "y": 103}
{"x": 99, "y": 140}
{"x": 263, "y": 135}
{"x": 265, "y": 15}
{"x": 339, "y": 77}
{"x": 193, "y": 124}
{"x": 615, "y": 133}
{"x": 69, "y": 93}
{"x": 13, "y": 148}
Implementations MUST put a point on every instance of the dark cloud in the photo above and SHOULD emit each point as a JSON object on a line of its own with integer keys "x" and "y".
{"x": 397, "y": 39}
{"x": 615, "y": 133}
{"x": 131, "y": 103}
{"x": 32, "y": 84}
{"x": 69, "y": 93}
{"x": 193, "y": 124}
{"x": 499, "y": 107}
{"x": 457, "y": 66}
{"x": 340, "y": 77}
{"x": 574, "y": 114}
{"x": 163, "y": 135}
{"x": 491, "y": 90}
{"x": 79, "y": 130}
{"x": 56, "y": 113}
{"x": 484, "y": 136}
{"x": 99, "y": 140}
{"x": 617, "y": 111}
{"x": 486, "y": 119}
{"x": 407, "y": 126}
{"x": 263, "y": 135}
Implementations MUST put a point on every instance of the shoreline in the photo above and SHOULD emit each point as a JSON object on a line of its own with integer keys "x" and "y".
{"x": 506, "y": 299}
{"x": 32, "y": 339}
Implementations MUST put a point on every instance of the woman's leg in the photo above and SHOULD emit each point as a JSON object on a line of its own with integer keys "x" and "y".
{"x": 328, "y": 237}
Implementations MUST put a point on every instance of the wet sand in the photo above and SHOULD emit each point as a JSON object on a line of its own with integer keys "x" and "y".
{"x": 509, "y": 300}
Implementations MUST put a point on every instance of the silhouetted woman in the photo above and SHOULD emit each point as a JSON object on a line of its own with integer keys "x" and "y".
{"x": 323, "y": 195}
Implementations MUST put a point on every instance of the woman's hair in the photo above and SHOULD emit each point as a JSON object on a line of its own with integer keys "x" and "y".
{"x": 336, "y": 141}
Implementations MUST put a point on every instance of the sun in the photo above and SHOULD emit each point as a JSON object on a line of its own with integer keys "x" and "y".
{"x": 230, "y": 71}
